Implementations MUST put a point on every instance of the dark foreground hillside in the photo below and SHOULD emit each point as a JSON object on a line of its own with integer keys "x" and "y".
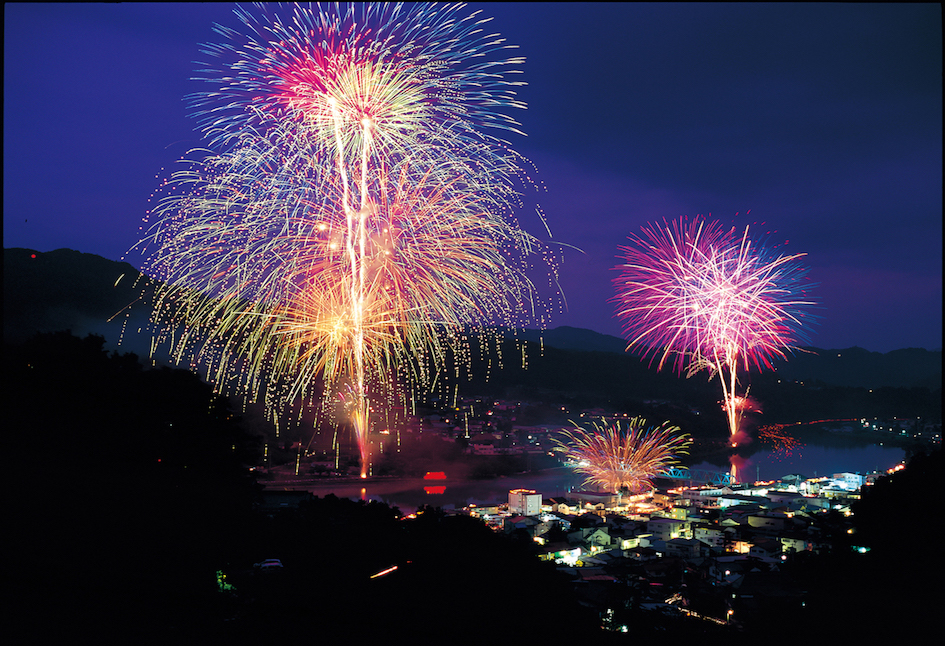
{"x": 132, "y": 497}
{"x": 132, "y": 521}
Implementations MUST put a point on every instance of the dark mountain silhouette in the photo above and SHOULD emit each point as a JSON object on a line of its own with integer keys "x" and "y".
{"x": 573, "y": 338}
{"x": 851, "y": 367}
{"x": 66, "y": 289}
{"x": 69, "y": 290}
{"x": 859, "y": 368}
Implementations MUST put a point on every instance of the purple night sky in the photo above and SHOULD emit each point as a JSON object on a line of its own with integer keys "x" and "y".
{"x": 823, "y": 120}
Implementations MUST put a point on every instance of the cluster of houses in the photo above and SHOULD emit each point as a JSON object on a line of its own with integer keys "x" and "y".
{"x": 714, "y": 553}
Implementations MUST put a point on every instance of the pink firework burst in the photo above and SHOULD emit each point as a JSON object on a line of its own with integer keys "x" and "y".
{"x": 699, "y": 296}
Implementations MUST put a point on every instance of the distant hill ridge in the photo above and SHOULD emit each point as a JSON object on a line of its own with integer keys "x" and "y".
{"x": 63, "y": 289}
{"x": 67, "y": 289}
{"x": 852, "y": 367}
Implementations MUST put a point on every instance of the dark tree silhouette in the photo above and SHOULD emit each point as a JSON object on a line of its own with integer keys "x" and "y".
{"x": 131, "y": 492}
{"x": 126, "y": 482}
{"x": 881, "y": 580}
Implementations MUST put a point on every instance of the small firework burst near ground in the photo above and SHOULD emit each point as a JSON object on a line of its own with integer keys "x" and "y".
{"x": 353, "y": 218}
{"x": 698, "y": 296}
{"x": 624, "y": 458}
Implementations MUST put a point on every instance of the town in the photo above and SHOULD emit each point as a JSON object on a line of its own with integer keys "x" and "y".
{"x": 713, "y": 553}
{"x": 723, "y": 558}
{"x": 724, "y": 553}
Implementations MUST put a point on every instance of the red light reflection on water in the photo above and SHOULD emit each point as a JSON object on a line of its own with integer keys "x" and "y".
{"x": 739, "y": 464}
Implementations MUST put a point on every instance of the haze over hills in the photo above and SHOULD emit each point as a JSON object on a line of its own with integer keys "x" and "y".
{"x": 67, "y": 289}
{"x": 852, "y": 367}
{"x": 70, "y": 290}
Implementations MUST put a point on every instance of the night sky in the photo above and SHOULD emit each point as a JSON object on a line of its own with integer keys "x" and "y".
{"x": 822, "y": 120}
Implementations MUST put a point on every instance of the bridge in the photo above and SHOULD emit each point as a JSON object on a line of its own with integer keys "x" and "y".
{"x": 698, "y": 475}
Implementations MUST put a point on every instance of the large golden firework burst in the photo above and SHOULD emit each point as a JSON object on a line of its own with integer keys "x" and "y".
{"x": 621, "y": 459}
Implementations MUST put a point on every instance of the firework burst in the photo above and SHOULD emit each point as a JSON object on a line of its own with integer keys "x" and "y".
{"x": 628, "y": 458}
{"x": 700, "y": 297}
{"x": 354, "y": 216}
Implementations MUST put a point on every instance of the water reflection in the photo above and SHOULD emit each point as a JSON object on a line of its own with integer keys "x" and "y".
{"x": 410, "y": 493}
{"x": 738, "y": 467}
{"x": 811, "y": 461}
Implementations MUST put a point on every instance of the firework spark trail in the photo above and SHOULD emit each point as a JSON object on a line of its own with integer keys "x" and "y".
{"x": 624, "y": 459}
{"x": 354, "y": 216}
{"x": 781, "y": 442}
{"x": 707, "y": 298}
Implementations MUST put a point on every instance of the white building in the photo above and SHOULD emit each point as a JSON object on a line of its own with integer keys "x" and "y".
{"x": 524, "y": 502}
{"x": 848, "y": 481}
{"x": 709, "y": 534}
{"x": 666, "y": 529}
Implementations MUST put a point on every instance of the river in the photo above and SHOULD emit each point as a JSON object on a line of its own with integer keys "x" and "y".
{"x": 812, "y": 461}
{"x": 410, "y": 493}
